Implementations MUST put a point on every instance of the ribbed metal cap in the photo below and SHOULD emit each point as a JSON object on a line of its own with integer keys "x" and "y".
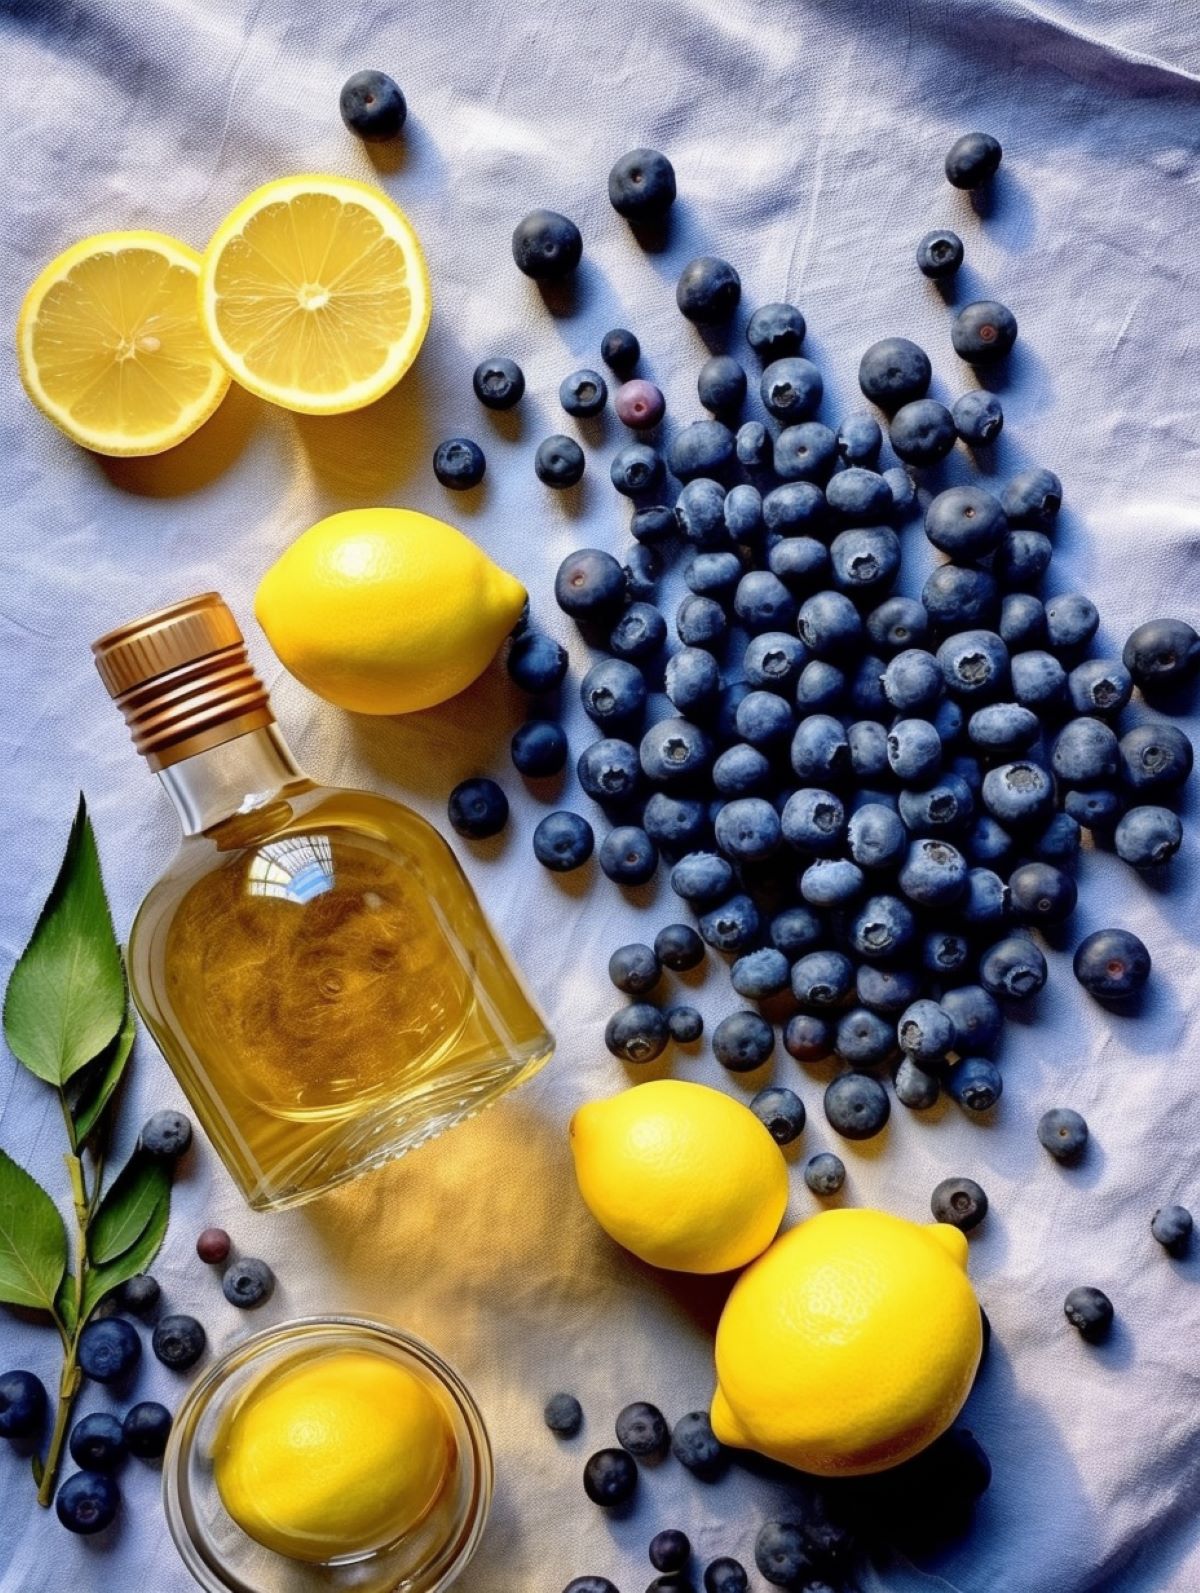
{"x": 183, "y": 680}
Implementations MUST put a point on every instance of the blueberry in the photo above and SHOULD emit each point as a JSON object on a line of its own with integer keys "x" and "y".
{"x": 859, "y": 495}
{"x": 499, "y": 383}
{"x": 98, "y": 1442}
{"x": 743, "y": 1041}
{"x": 22, "y": 1405}
{"x": 775, "y": 331}
{"x": 1003, "y": 729}
{"x": 1090, "y": 1310}
{"x": 459, "y": 463}
{"x": 914, "y": 750}
{"x": 867, "y": 740}
{"x": 884, "y": 927}
{"x": 1038, "y": 679}
{"x": 825, "y": 1173}
{"x": 653, "y": 524}
{"x": 536, "y": 663}
{"x": 1112, "y": 964}
{"x": 978, "y": 417}
{"x": 372, "y": 106}
{"x": 922, "y": 432}
{"x": 692, "y": 679}
{"x": 608, "y": 770}
{"x": 213, "y": 1246}
{"x": 864, "y": 1039}
{"x": 1022, "y": 623}
{"x": 893, "y": 372}
{"x": 703, "y": 448}
{"x": 1033, "y": 498}
{"x": 942, "y": 808}
{"x": 670, "y": 1550}
{"x": 1059, "y": 842}
{"x": 984, "y": 903}
{"x": 620, "y": 351}
{"x": 1071, "y": 622}
{"x": 781, "y": 1112}
{"x": 898, "y": 625}
{"x": 628, "y": 856}
{"x": 1039, "y": 893}
{"x": 1084, "y": 753}
{"x": 179, "y": 1341}
{"x": 641, "y": 570}
{"x": 1148, "y": 836}
{"x": 637, "y": 1033}
{"x": 584, "y": 393}
{"x": 983, "y": 332}
{"x": 875, "y": 836}
{"x": 1099, "y": 686}
{"x": 139, "y": 1294}
{"x": 675, "y": 750}
{"x": 915, "y": 1088}
{"x": 1021, "y": 559}
{"x": 248, "y": 1283}
{"x": 686, "y": 1025}
{"x": 146, "y": 1428}
{"x": 807, "y": 1037}
{"x": 975, "y": 1016}
{"x": 589, "y": 1584}
{"x": 944, "y": 952}
{"x": 903, "y": 490}
{"x": 708, "y": 290}
{"x": 754, "y": 446}
{"x": 546, "y": 245}
{"x": 939, "y": 254}
{"x": 613, "y": 693}
{"x": 635, "y": 469}
{"x": 831, "y": 882}
{"x": 639, "y": 404}
{"x": 805, "y": 452}
{"x": 865, "y": 560}
{"x": 638, "y": 634}
{"x": 972, "y": 160}
{"x": 859, "y": 439}
{"x": 700, "y": 621}
{"x": 1155, "y": 757}
{"x": 829, "y": 625}
{"x": 779, "y": 1553}
{"x": 721, "y": 384}
{"x": 563, "y": 841}
{"x": 641, "y": 186}
{"x": 743, "y": 513}
{"x": 731, "y": 926}
{"x": 701, "y": 878}
{"x": 1013, "y": 967}
{"x": 714, "y": 574}
{"x": 965, "y": 522}
{"x": 559, "y": 462}
{"x": 1018, "y": 793}
{"x": 988, "y": 843}
{"x": 773, "y": 660}
{"x": 610, "y": 1477}
{"x": 960, "y": 1202}
{"x": 642, "y": 1431}
{"x": 563, "y": 1415}
{"x": 856, "y": 1106}
{"x": 886, "y": 990}
{"x": 165, "y": 1136}
{"x": 741, "y": 770}
{"x": 795, "y": 930}
{"x": 87, "y": 1502}
{"x": 760, "y": 974}
{"x": 1161, "y": 653}
{"x": 934, "y": 873}
{"x": 1172, "y": 1227}
{"x": 725, "y": 1576}
{"x": 109, "y": 1349}
{"x": 674, "y": 823}
{"x": 956, "y": 597}
{"x": 700, "y": 514}
{"x": 974, "y": 663}
{"x": 791, "y": 388}
{"x": 1095, "y": 808}
{"x": 764, "y": 719}
{"x": 1063, "y": 1133}
{"x": 813, "y": 820}
{"x": 696, "y": 1446}
{"x": 975, "y": 1083}
{"x": 478, "y": 808}
{"x": 635, "y": 969}
{"x": 925, "y": 1033}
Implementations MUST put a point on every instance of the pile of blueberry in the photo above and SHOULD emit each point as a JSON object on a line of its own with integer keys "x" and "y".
{"x": 869, "y": 801}
{"x": 110, "y": 1351}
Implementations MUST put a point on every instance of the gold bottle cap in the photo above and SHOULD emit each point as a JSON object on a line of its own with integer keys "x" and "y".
{"x": 183, "y": 680}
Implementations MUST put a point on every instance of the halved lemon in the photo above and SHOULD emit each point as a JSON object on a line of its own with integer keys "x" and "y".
{"x": 315, "y": 293}
{"x": 111, "y": 348}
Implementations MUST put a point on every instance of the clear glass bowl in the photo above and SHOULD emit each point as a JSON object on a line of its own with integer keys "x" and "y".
{"x": 223, "y": 1559}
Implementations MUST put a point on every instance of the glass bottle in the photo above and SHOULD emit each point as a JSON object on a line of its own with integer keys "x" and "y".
{"x": 314, "y": 964}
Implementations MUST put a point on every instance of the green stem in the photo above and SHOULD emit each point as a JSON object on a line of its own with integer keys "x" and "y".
{"x": 68, "y": 1387}
{"x": 69, "y": 1382}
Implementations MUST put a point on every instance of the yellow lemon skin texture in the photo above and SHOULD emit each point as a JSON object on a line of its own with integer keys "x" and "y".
{"x": 685, "y": 1177}
{"x": 332, "y": 1456}
{"x": 850, "y": 1345}
{"x": 386, "y": 611}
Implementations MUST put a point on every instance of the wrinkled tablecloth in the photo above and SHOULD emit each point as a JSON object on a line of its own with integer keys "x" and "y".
{"x": 808, "y": 139}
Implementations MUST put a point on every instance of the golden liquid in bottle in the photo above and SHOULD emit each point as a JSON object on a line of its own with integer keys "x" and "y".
{"x": 327, "y": 989}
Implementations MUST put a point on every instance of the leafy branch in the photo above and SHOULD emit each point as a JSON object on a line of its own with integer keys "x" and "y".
{"x": 67, "y": 1019}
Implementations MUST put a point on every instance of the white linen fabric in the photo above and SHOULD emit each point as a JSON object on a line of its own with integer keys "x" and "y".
{"x": 808, "y": 139}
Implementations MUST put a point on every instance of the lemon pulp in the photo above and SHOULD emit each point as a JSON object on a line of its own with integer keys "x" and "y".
{"x": 315, "y": 293}
{"x": 333, "y": 1456}
{"x": 111, "y": 348}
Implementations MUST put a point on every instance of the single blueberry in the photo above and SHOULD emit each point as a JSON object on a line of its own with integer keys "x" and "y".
{"x": 888, "y": 991}
{"x": 903, "y": 490}
{"x": 791, "y": 388}
{"x": 1155, "y": 757}
{"x": 897, "y": 625}
{"x": 721, "y": 384}
{"x": 1040, "y": 893}
{"x": 1161, "y": 653}
{"x": 1071, "y": 622}
{"x": 1033, "y": 498}
{"x": 725, "y": 1576}
{"x": 458, "y": 463}
{"x": 807, "y": 1037}
{"x": 743, "y": 512}
{"x": 974, "y": 663}
{"x": 670, "y": 1549}
{"x": 179, "y": 1341}
{"x": 983, "y": 332}
{"x": 795, "y": 930}
{"x": 944, "y": 952}
{"x": 741, "y": 770}
{"x": 635, "y": 969}
{"x": 499, "y": 383}
{"x": 675, "y": 751}
{"x": 559, "y": 462}
{"x": 934, "y": 873}
{"x": 731, "y": 926}
{"x": 867, "y": 740}
{"x": 1014, "y": 967}
{"x": 584, "y": 393}
{"x": 675, "y": 824}
{"x": 922, "y": 432}
{"x": 165, "y": 1136}
{"x": 864, "y": 1039}
{"x": 1148, "y": 836}
{"x": 1099, "y": 686}
{"x": 641, "y": 186}
{"x": 1038, "y": 679}
{"x": 686, "y": 1025}
{"x": 865, "y": 560}
{"x": 978, "y": 417}
{"x": 781, "y": 1112}
{"x": 1112, "y": 964}
{"x": 859, "y": 495}
{"x": 546, "y": 246}
{"x": 831, "y": 882}
{"x": 22, "y": 1405}
{"x": 925, "y": 1032}
{"x": 635, "y": 469}
{"x": 642, "y": 1431}
{"x": 696, "y": 1446}
{"x": 1063, "y": 1132}
{"x": 975, "y": 1083}
{"x": 961, "y": 1202}
{"x": 915, "y": 1088}
{"x": 914, "y": 750}
{"x": 876, "y": 837}
{"x": 1084, "y": 752}
{"x": 973, "y": 160}
{"x": 610, "y": 1477}
{"x": 609, "y": 770}
{"x": 764, "y": 718}
{"x": 830, "y": 625}
{"x": 859, "y": 439}
{"x": 884, "y": 926}
{"x": 700, "y": 621}
{"x": 477, "y": 809}
{"x": 373, "y": 106}
{"x": 139, "y": 1294}
{"x": 702, "y": 448}
{"x": 743, "y": 1041}
{"x": 754, "y": 446}
{"x": 805, "y": 452}
{"x": 97, "y": 1442}
{"x": 1019, "y": 792}
{"x": 638, "y": 634}
{"x": 1059, "y": 842}
{"x": 856, "y": 1106}
{"x": 943, "y": 808}
{"x": 563, "y": 1414}
{"x": 702, "y": 878}
{"x": 760, "y": 974}
{"x": 146, "y": 1428}
{"x": 1172, "y": 1227}
{"x": 637, "y": 1033}
{"x": 563, "y": 841}
{"x": 639, "y": 404}
{"x": 939, "y": 254}
{"x": 248, "y": 1283}
{"x": 620, "y": 351}
{"x": 825, "y": 1173}
{"x": 965, "y": 522}
{"x": 628, "y": 856}
{"x": 987, "y": 843}
{"x": 109, "y": 1349}
{"x": 1090, "y": 1311}
{"x": 976, "y": 1018}
{"x": 894, "y": 372}
{"x": 708, "y": 290}
{"x": 87, "y": 1502}
{"x": 537, "y": 663}
{"x": 813, "y": 820}
{"x": 775, "y": 331}
{"x": 956, "y": 597}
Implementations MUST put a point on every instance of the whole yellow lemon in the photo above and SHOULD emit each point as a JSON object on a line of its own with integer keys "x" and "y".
{"x": 683, "y": 1176}
{"x": 334, "y": 1455}
{"x": 384, "y": 611}
{"x": 850, "y": 1345}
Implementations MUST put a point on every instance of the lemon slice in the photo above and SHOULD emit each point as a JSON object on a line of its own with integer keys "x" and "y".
{"x": 111, "y": 347}
{"x": 315, "y": 294}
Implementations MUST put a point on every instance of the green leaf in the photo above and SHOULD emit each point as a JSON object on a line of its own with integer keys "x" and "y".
{"x": 66, "y": 997}
{"x": 100, "y": 1079}
{"x": 128, "y": 1205}
{"x": 33, "y": 1241}
{"x": 102, "y": 1280}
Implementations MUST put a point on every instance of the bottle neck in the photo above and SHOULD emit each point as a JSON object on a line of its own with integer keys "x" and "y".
{"x": 234, "y": 777}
